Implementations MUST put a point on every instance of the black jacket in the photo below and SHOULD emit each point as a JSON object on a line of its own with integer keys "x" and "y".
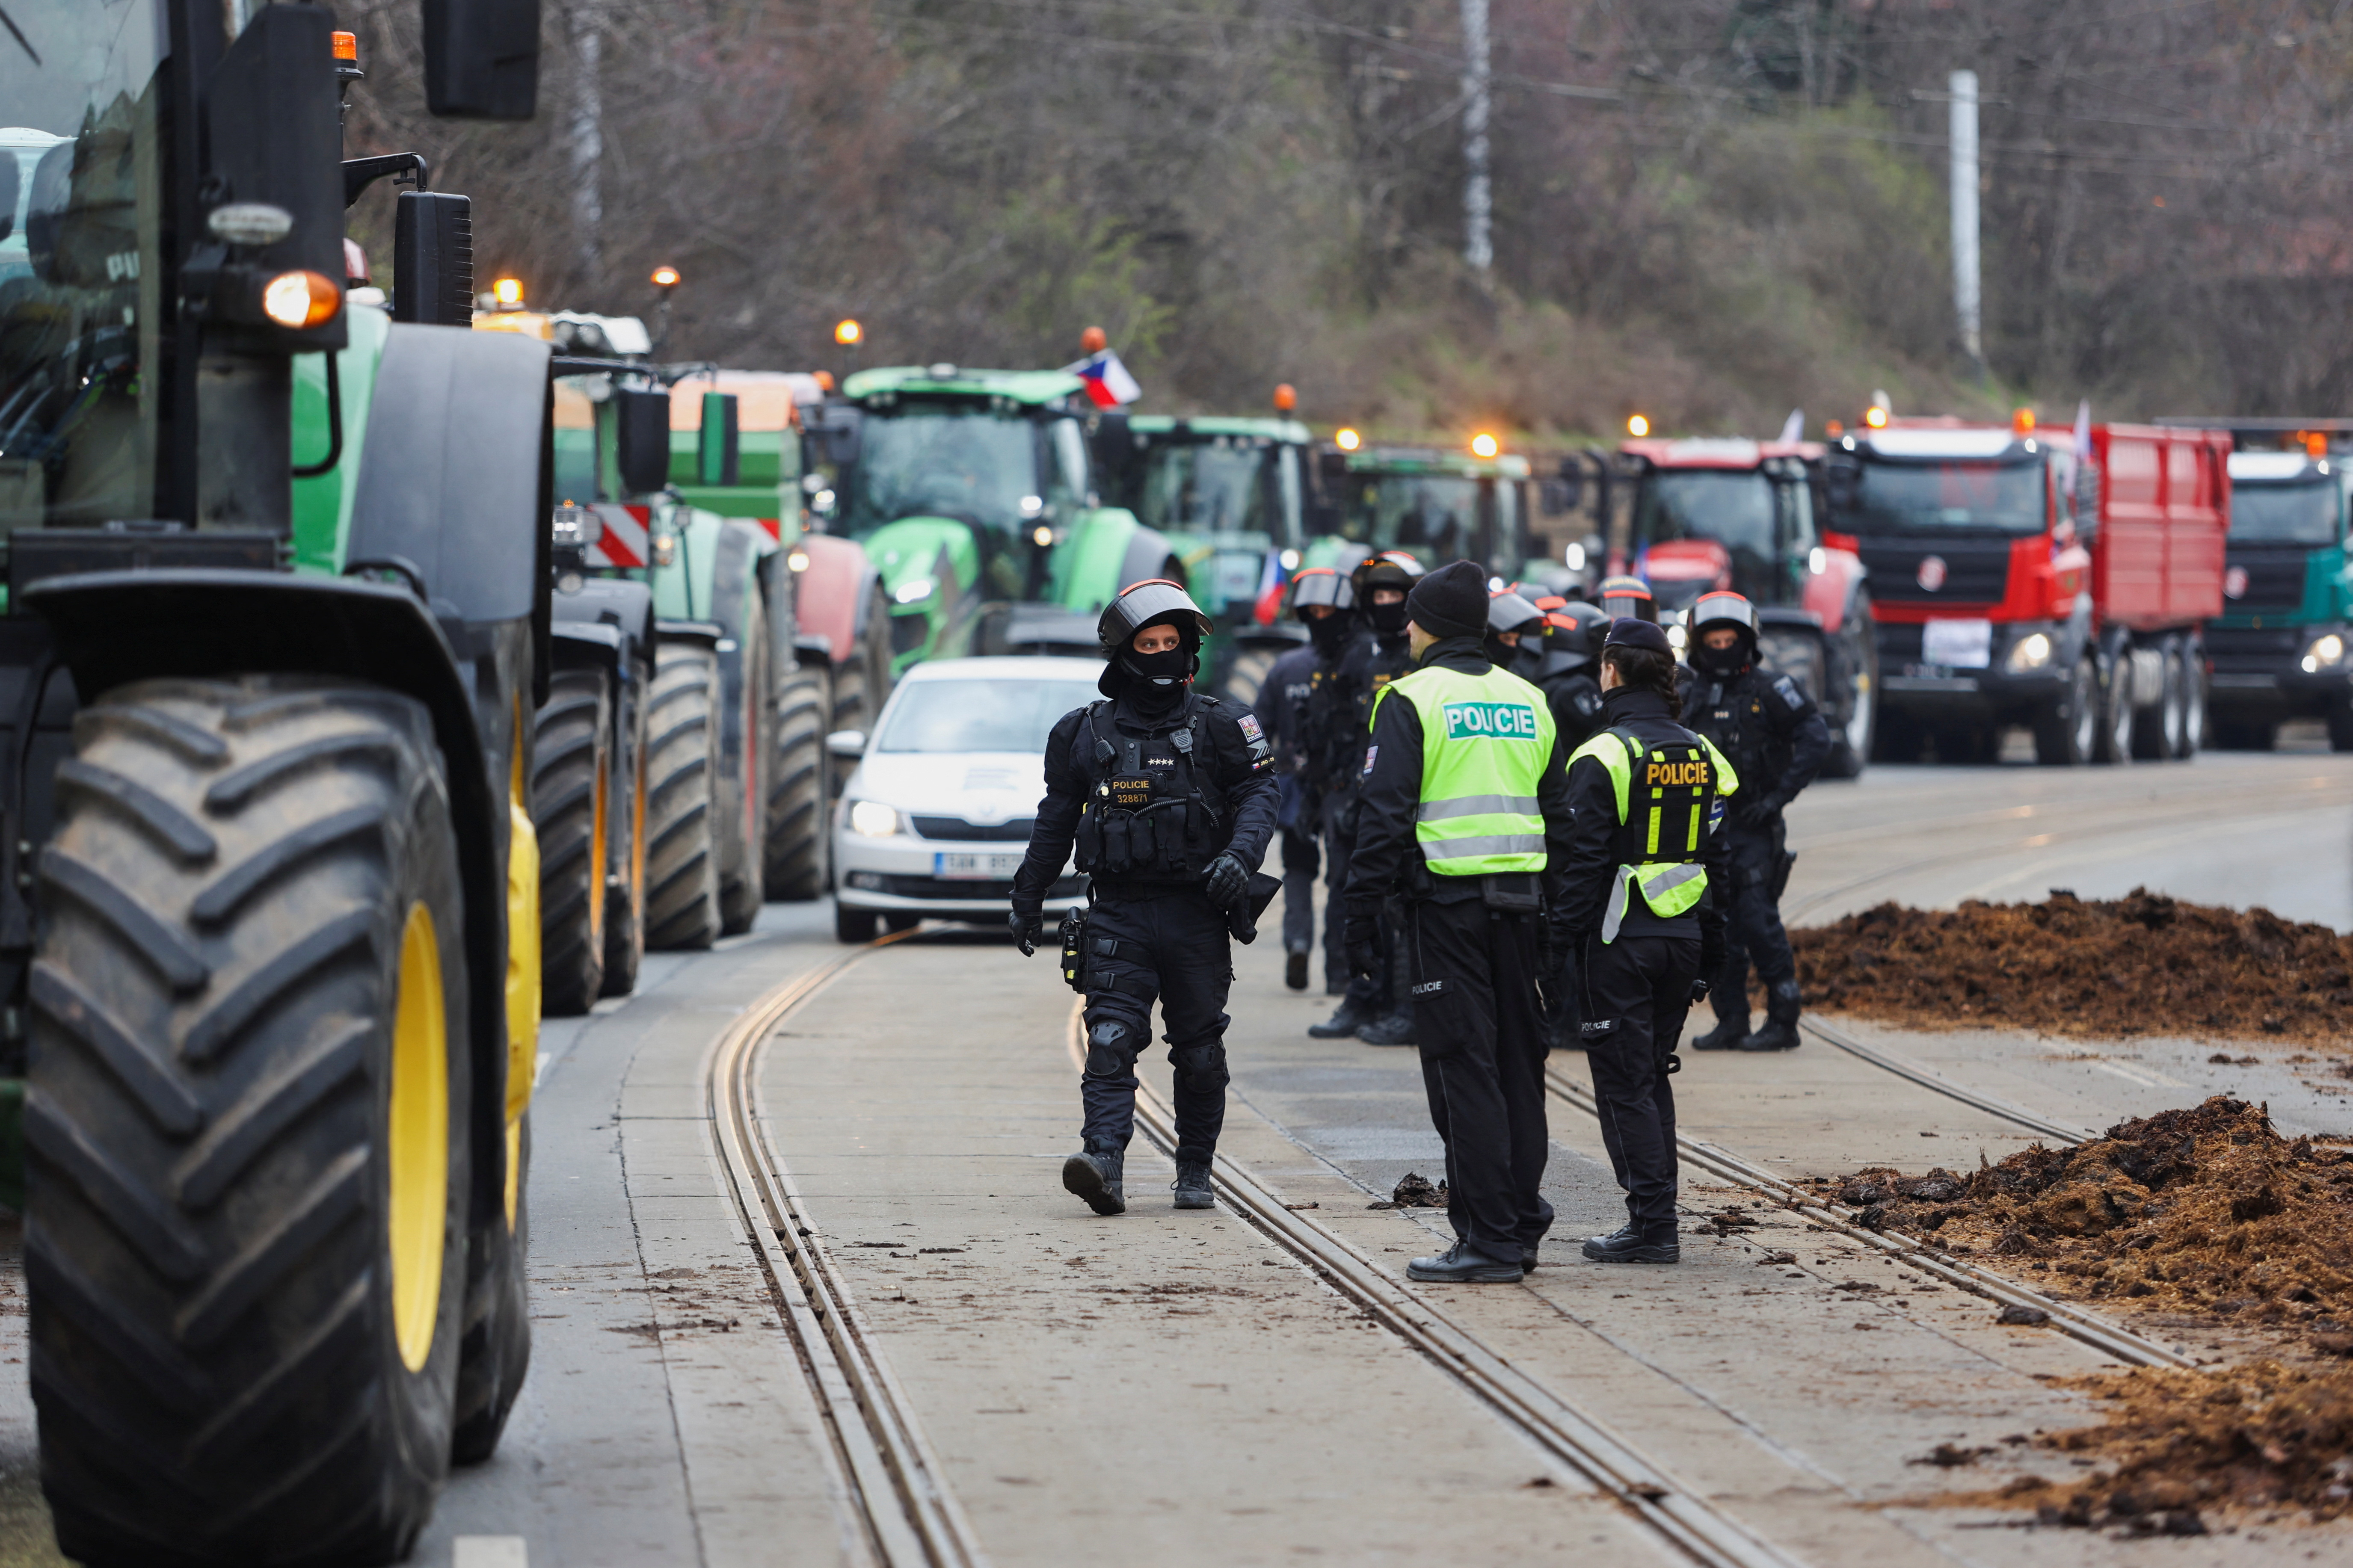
{"x": 1240, "y": 768}
{"x": 1590, "y": 863}
{"x": 1282, "y": 707}
{"x": 1390, "y": 794}
{"x": 1340, "y": 706}
{"x": 1770, "y": 731}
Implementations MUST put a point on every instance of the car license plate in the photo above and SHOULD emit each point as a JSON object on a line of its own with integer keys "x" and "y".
{"x": 1960, "y": 645}
{"x": 947, "y": 867}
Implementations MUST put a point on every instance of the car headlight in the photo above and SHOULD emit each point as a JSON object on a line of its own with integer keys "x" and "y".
{"x": 914, "y": 589}
{"x": 2032, "y": 651}
{"x": 2325, "y": 653}
{"x": 873, "y": 819}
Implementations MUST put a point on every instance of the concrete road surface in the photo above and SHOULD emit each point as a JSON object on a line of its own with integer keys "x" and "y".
{"x": 1174, "y": 1388}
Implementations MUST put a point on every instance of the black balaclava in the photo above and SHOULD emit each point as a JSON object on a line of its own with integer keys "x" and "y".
{"x": 1722, "y": 664}
{"x": 1157, "y": 681}
{"x": 1330, "y": 634}
{"x": 1389, "y": 620}
{"x": 1499, "y": 653}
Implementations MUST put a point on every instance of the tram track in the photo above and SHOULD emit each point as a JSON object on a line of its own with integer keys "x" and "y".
{"x": 2088, "y": 1327}
{"x": 907, "y": 1517}
{"x": 1670, "y": 1507}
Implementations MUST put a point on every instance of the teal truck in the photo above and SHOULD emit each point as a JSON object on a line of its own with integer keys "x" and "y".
{"x": 2283, "y": 646}
{"x": 278, "y": 613}
{"x": 973, "y": 497}
{"x": 1231, "y": 495}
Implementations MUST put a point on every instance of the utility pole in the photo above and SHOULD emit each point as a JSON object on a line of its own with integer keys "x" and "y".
{"x": 588, "y": 135}
{"x": 1968, "y": 297}
{"x": 1478, "y": 196}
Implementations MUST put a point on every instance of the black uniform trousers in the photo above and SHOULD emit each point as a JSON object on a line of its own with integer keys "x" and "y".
{"x": 1474, "y": 972}
{"x": 1753, "y": 932}
{"x": 1637, "y": 991}
{"x": 1170, "y": 946}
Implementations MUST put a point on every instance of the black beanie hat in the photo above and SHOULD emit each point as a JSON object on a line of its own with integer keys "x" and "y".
{"x": 1627, "y": 632}
{"x": 1450, "y": 602}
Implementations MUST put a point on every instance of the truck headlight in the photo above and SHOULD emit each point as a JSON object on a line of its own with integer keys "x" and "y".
{"x": 910, "y": 592}
{"x": 2030, "y": 652}
{"x": 873, "y": 819}
{"x": 2325, "y": 653}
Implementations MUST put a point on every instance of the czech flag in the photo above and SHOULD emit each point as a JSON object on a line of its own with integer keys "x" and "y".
{"x": 1107, "y": 380}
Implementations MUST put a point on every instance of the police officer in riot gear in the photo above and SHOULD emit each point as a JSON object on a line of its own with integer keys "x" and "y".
{"x": 1771, "y": 732}
{"x": 1375, "y": 1008}
{"x": 1461, "y": 817}
{"x": 1169, "y": 797}
{"x": 1623, "y": 597}
{"x": 1515, "y": 634}
{"x": 1322, "y": 600}
{"x": 1643, "y": 905}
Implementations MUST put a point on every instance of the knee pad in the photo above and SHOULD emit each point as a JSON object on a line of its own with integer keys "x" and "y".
{"x": 1205, "y": 1063}
{"x": 1111, "y": 1048}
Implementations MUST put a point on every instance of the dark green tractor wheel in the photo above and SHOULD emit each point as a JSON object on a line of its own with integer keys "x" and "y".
{"x": 796, "y": 828}
{"x": 740, "y": 835}
{"x": 682, "y": 768}
{"x": 246, "y": 1238}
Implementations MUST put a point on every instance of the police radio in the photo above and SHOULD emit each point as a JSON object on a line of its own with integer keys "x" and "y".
{"x": 1074, "y": 949}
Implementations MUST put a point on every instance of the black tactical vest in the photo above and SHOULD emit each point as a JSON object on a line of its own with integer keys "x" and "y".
{"x": 1150, "y": 812}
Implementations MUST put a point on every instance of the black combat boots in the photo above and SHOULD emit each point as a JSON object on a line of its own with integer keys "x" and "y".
{"x": 1780, "y": 1030}
{"x": 1192, "y": 1186}
{"x": 1396, "y": 1029}
{"x": 1631, "y": 1243}
{"x": 1346, "y": 1019}
{"x": 1096, "y": 1178}
{"x": 1462, "y": 1264}
{"x": 1731, "y": 1028}
{"x": 1294, "y": 969}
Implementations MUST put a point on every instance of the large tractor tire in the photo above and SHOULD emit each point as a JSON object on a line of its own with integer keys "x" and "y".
{"x": 682, "y": 771}
{"x": 624, "y": 886}
{"x": 571, "y": 795}
{"x": 795, "y": 825}
{"x": 245, "y": 1238}
{"x": 862, "y": 681}
{"x": 495, "y": 1351}
{"x": 1246, "y": 676}
{"x": 740, "y": 834}
{"x": 1854, "y": 665}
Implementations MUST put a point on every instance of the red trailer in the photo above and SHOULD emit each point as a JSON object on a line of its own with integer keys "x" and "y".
{"x": 2056, "y": 579}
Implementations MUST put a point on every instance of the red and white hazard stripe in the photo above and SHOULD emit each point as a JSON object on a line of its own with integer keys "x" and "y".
{"x": 624, "y": 540}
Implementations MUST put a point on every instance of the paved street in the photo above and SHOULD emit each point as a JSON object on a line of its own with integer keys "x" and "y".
{"x": 1176, "y": 1388}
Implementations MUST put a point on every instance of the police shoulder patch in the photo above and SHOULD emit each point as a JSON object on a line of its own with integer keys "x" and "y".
{"x": 1586, "y": 703}
{"x": 1371, "y": 753}
{"x": 1250, "y": 731}
{"x": 1789, "y": 692}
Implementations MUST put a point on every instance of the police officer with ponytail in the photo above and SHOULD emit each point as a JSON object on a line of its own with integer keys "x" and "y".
{"x": 1169, "y": 797}
{"x": 1643, "y": 903}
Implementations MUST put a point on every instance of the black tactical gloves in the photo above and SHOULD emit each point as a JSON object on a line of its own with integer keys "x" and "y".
{"x": 1026, "y": 929}
{"x": 1225, "y": 881}
{"x": 1359, "y": 940}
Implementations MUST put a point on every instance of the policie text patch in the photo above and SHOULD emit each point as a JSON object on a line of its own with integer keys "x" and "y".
{"x": 1490, "y": 721}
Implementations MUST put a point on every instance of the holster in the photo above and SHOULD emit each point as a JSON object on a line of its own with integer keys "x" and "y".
{"x": 1781, "y": 866}
{"x": 1074, "y": 950}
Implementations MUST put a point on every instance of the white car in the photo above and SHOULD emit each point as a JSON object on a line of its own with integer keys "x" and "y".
{"x": 934, "y": 820}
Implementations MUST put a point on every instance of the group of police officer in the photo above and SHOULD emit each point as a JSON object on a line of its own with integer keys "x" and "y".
{"x": 1527, "y": 847}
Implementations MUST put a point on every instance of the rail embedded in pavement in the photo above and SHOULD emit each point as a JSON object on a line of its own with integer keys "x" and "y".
{"x": 1668, "y": 1506}
{"x": 910, "y": 1517}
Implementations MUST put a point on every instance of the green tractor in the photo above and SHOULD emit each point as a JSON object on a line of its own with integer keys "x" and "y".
{"x": 1231, "y": 495}
{"x": 1437, "y": 506}
{"x": 277, "y": 613}
{"x": 973, "y": 496}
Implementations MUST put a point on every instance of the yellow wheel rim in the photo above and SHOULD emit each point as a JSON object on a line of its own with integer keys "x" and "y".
{"x": 596, "y": 869}
{"x": 418, "y": 1138}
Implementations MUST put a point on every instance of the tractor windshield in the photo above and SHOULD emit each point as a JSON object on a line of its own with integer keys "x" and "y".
{"x": 1438, "y": 518}
{"x": 1946, "y": 498}
{"x": 81, "y": 260}
{"x": 962, "y": 459}
{"x": 1731, "y": 506}
{"x": 2284, "y": 514}
{"x": 1223, "y": 484}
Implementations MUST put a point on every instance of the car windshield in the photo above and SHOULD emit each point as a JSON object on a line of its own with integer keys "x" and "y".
{"x": 948, "y": 459}
{"x": 1946, "y": 498}
{"x": 81, "y": 259}
{"x": 979, "y": 715}
{"x": 2284, "y": 514}
{"x": 1216, "y": 486}
{"x": 1732, "y": 507}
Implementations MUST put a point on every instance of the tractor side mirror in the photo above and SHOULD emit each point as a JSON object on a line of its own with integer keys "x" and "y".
{"x": 481, "y": 59}
{"x": 719, "y": 451}
{"x": 841, "y": 433}
{"x": 641, "y": 433}
{"x": 275, "y": 139}
{"x": 1562, "y": 492}
{"x": 433, "y": 258}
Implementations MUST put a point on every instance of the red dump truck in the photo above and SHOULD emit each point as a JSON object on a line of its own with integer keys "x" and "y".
{"x": 2055, "y": 578}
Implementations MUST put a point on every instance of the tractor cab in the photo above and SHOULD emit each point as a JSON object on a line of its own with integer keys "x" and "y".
{"x": 1719, "y": 514}
{"x": 1435, "y": 506}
